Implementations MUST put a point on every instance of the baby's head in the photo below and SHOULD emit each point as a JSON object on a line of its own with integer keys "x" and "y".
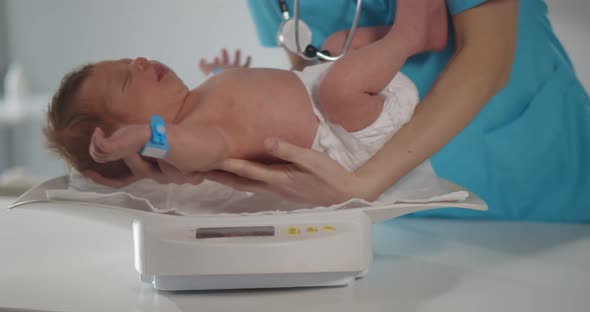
{"x": 108, "y": 95}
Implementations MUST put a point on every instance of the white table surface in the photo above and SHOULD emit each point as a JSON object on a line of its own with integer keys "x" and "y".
{"x": 52, "y": 260}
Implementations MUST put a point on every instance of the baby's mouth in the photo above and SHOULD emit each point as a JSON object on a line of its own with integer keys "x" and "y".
{"x": 161, "y": 71}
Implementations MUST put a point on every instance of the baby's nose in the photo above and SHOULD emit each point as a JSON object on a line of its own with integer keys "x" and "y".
{"x": 141, "y": 63}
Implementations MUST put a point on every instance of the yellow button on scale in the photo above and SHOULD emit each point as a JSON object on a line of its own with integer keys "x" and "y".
{"x": 328, "y": 228}
{"x": 311, "y": 229}
{"x": 293, "y": 231}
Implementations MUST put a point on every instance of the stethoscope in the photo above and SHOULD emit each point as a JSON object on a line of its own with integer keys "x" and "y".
{"x": 294, "y": 33}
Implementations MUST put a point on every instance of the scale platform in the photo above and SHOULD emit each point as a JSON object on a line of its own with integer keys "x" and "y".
{"x": 300, "y": 249}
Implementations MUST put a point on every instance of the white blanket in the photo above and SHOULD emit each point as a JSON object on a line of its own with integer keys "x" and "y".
{"x": 419, "y": 186}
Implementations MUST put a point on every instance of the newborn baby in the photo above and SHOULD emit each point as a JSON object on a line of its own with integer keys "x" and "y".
{"x": 106, "y": 108}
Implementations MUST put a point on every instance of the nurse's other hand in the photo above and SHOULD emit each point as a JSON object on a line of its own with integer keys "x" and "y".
{"x": 424, "y": 24}
{"x": 224, "y": 62}
{"x": 311, "y": 177}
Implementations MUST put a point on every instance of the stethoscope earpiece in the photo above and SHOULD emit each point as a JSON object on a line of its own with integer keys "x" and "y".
{"x": 310, "y": 51}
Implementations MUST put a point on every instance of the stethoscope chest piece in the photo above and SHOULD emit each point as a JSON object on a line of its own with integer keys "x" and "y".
{"x": 295, "y": 36}
{"x": 286, "y": 35}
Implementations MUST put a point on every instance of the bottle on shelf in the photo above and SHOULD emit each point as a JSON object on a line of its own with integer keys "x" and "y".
{"x": 15, "y": 91}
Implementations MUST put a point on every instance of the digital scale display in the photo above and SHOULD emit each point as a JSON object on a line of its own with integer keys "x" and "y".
{"x": 242, "y": 231}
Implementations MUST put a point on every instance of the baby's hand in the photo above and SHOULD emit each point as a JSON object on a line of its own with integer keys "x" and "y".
{"x": 124, "y": 142}
{"x": 224, "y": 62}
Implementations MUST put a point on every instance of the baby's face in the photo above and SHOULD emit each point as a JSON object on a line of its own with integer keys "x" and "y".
{"x": 134, "y": 90}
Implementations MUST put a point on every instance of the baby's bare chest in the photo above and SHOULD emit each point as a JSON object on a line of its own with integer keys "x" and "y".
{"x": 267, "y": 104}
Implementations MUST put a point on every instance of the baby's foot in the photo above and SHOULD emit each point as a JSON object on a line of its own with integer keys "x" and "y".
{"x": 423, "y": 22}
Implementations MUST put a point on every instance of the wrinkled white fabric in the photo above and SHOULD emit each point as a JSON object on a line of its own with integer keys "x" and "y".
{"x": 209, "y": 198}
{"x": 352, "y": 149}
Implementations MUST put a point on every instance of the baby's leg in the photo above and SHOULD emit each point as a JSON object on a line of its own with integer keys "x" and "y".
{"x": 349, "y": 92}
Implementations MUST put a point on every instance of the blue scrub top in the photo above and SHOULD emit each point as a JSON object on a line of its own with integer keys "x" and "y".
{"x": 527, "y": 153}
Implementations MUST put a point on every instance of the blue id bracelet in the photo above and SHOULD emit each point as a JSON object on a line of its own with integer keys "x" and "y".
{"x": 157, "y": 146}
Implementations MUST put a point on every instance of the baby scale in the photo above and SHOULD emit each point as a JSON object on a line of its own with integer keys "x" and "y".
{"x": 302, "y": 249}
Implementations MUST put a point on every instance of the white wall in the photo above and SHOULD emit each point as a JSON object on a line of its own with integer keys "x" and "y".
{"x": 3, "y": 41}
{"x": 51, "y": 37}
{"x": 5, "y": 159}
{"x": 571, "y": 23}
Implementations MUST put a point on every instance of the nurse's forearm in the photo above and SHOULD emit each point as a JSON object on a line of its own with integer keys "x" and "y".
{"x": 420, "y": 25}
{"x": 478, "y": 70}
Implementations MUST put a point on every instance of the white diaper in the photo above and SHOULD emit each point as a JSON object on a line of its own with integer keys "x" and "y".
{"x": 352, "y": 149}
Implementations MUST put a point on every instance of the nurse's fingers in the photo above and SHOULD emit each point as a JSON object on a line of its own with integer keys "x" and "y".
{"x": 172, "y": 173}
{"x": 114, "y": 183}
{"x": 302, "y": 157}
{"x": 144, "y": 170}
{"x": 251, "y": 170}
{"x": 237, "y": 182}
{"x": 194, "y": 178}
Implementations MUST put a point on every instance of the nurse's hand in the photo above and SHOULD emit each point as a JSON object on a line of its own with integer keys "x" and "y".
{"x": 311, "y": 177}
{"x": 224, "y": 62}
{"x": 423, "y": 23}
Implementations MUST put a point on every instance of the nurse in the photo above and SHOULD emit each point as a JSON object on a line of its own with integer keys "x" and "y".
{"x": 502, "y": 114}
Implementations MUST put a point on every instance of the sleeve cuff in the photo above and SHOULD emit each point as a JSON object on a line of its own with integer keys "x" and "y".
{"x": 458, "y": 6}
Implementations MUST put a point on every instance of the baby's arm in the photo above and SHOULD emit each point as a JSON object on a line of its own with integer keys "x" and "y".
{"x": 191, "y": 148}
